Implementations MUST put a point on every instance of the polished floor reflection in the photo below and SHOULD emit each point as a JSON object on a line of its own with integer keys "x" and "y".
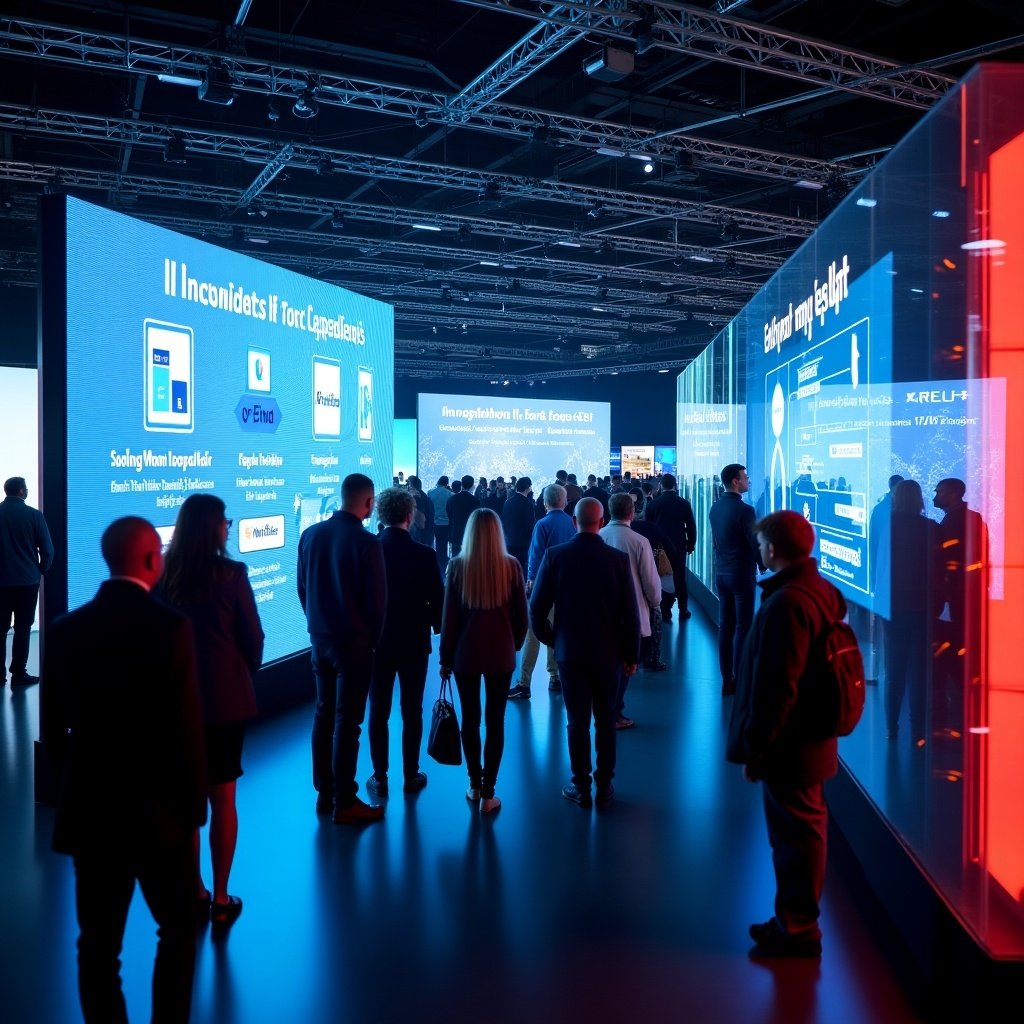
{"x": 544, "y": 912}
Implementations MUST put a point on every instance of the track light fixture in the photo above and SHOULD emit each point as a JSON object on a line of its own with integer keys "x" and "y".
{"x": 338, "y": 220}
{"x": 174, "y": 150}
{"x": 464, "y": 233}
{"x": 730, "y": 230}
{"x": 305, "y": 105}
{"x": 215, "y": 86}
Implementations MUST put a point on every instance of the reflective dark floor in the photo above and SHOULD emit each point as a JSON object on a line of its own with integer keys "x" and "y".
{"x": 542, "y": 913}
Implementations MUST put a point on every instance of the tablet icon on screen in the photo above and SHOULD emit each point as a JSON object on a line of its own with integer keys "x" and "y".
{"x": 168, "y": 376}
{"x": 326, "y": 399}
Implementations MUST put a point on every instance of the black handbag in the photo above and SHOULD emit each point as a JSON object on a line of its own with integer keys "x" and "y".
{"x": 444, "y": 743}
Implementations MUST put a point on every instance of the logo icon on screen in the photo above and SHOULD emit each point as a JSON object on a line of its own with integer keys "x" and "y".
{"x": 259, "y": 370}
{"x": 326, "y": 399}
{"x": 365, "y": 404}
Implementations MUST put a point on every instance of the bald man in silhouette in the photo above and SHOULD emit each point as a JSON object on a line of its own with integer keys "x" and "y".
{"x": 122, "y": 726}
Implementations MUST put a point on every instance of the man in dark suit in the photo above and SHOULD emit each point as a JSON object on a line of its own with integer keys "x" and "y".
{"x": 415, "y": 601}
{"x": 459, "y": 507}
{"x": 518, "y": 519}
{"x": 342, "y": 588}
{"x": 599, "y": 494}
{"x": 126, "y": 741}
{"x": 596, "y": 635}
{"x": 737, "y": 560}
{"x": 674, "y": 514}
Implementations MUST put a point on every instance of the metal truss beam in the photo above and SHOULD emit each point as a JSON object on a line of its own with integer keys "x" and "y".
{"x": 746, "y": 44}
{"x": 94, "y": 50}
{"x": 322, "y": 160}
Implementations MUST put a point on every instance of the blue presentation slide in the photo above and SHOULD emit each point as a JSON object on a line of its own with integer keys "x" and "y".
{"x": 194, "y": 368}
{"x": 479, "y": 436}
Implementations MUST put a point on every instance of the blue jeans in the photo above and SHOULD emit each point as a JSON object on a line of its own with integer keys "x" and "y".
{"x": 590, "y": 690}
{"x": 735, "y": 613}
{"x": 342, "y": 673}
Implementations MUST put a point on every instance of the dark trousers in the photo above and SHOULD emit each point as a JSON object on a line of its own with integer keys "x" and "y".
{"x": 681, "y": 595}
{"x": 342, "y": 673}
{"x": 441, "y": 545}
{"x": 797, "y": 820}
{"x": 521, "y": 553}
{"x": 104, "y": 883}
{"x": 496, "y": 686}
{"x": 735, "y": 613}
{"x": 18, "y": 603}
{"x": 411, "y": 670}
{"x": 590, "y": 691}
{"x": 907, "y": 654}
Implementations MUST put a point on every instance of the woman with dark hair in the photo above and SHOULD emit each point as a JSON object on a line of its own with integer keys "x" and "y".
{"x": 912, "y": 551}
{"x": 483, "y": 625}
{"x": 214, "y": 592}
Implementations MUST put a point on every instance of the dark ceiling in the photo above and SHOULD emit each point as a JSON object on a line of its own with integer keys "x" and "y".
{"x": 584, "y": 219}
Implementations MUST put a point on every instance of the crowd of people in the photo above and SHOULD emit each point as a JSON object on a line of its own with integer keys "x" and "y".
{"x": 493, "y": 571}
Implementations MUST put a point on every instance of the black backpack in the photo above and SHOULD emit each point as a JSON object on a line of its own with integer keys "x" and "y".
{"x": 836, "y": 662}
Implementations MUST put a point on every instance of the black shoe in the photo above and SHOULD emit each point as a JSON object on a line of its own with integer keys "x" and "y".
{"x": 357, "y": 813}
{"x": 576, "y": 795}
{"x": 225, "y": 914}
{"x": 686, "y": 615}
{"x": 666, "y": 616}
{"x": 23, "y": 679}
{"x": 555, "y": 686}
{"x": 771, "y": 940}
{"x": 324, "y": 803}
{"x": 377, "y": 785}
{"x": 519, "y": 692}
{"x": 605, "y": 794}
{"x": 415, "y": 782}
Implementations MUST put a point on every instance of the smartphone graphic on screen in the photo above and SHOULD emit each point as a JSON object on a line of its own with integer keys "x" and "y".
{"x": 168, "y": 377}
{"x": 365, "y": 404}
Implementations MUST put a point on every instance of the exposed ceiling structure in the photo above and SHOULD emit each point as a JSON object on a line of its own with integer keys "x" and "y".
{"x": 540, "y": 189}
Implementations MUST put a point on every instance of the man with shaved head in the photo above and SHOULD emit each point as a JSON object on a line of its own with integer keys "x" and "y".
{"x": 596, "y": 635}
{"x": 122, "y": 728}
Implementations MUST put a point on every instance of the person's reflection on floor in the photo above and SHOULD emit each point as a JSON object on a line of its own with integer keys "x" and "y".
{"x": 908, "y": 542}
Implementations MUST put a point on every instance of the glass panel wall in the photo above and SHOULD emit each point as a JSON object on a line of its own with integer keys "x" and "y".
{"x": 881, "y": 373}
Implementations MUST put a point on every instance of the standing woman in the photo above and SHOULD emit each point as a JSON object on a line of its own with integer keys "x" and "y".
{"x": 483, "y": 625}
{"x": 215, "y": 593}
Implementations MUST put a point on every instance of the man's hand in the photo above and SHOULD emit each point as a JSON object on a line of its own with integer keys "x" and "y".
{"x": 630, "y": 668}
{"x": 749, "y": 775}
{"x": 446, "y": 673}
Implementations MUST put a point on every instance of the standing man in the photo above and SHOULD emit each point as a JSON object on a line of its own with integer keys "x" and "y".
{"x": 643, "y": 575}
{"x": 674, "y": 515}
{"x": 518, "y": 519}
{"x": 423, "y": 519}
{"x": 415, "y": 600}
{"x": 596, "y": 636}
{"x": 460, "y": 505}
{"x": 439, "y": 498}
{"x": 555, "y": 528}
{"x": 26, "y": 552}
{"x": 737, "y": 560}
{"x": 774, "y": 734}
{"x": 127, "y": 743}
{"x": 342, "y": 588}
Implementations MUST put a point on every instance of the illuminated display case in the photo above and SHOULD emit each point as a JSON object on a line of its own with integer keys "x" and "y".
{"x": 890, "y": 345}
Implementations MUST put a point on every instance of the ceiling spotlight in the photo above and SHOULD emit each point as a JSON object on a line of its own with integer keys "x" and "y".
{"x": 338, "y": 220}
{"x": 216, "y": 87}
{"x": 464, "y": 233}
{"x": 305, "y": 105}
{"x": 729, "y": 230}
{"x": 273, "y": 112}
{"x": 174, "y": 150}
{"x": 597, "y": 210}
{"x": 323, "y": 165}
{"x": 490, "y": 191}
{"x": 648, "y": 167}
{"x": 730, "y": 268}
{"x": 422, "y": 121}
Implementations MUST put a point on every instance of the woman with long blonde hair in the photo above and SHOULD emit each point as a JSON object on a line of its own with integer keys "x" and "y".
{"x": 483, "y": 625}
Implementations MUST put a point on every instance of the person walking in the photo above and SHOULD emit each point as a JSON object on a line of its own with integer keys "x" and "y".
{"x": 674, "y": 514}
{"x": 26, "y": 553}
{"x": 125, "y": 743}
{"x": 483, "y": 625}
{"x": 214, "y": 592}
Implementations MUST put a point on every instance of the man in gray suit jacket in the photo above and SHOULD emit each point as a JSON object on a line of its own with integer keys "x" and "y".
{"x": 596, "y": 634}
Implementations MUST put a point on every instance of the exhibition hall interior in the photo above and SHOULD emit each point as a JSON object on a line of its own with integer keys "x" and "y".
{"x": 250, "y": 248}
